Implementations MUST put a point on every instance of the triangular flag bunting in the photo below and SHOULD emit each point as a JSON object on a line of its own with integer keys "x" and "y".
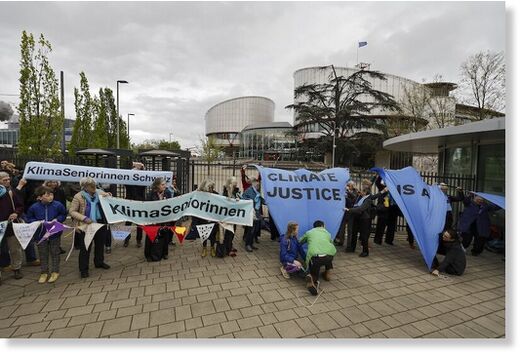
{"x": 180, "y": 232}
{"x": 52, "y": 228}
{"x": 151, "y": 231}
{"x": 205, "y": 231}
{"x": 72, "y": 245}
{"x": 3, "y": 228}
{"x": 90, "y": 232}
{"x": 120, "y": 231}
{"x": 24, "y": 232}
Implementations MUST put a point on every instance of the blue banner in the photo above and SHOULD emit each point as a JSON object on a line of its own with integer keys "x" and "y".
{"x": 498, "y": 200}
{"x": 423, "y": 206}
{"x": 304, "y": 196}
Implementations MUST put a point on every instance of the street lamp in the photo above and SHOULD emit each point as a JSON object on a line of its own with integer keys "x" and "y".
{"x": 117, "y": 121}
{"x": 128, "y": 124}
{"x": 334, "y": 144}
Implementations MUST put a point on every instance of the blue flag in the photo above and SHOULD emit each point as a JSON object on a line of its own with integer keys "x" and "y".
{"x": 423, "y": 206}
{"x": 362, "y": 44}
{"x": 498, "y": 200}
{"x": 304, "y": 196}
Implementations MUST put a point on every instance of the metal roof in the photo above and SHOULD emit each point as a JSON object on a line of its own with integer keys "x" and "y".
{"x": 265, "y": 125}
{"x": 430, "y": 141}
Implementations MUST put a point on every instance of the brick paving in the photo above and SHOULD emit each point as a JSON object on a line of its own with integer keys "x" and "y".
{"x": 387, "y": 295}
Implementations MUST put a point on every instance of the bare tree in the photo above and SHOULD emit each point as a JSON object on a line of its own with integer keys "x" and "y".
{"x": 483, "y": 81}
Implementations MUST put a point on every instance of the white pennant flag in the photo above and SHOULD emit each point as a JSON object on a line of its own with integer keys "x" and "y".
{"x": 72, "y": 245}
{"x": 205, "y": 231}
{"x": 3, "y": 227}
{"x": 25, "y": 231}
{"x": 120, "y": 231}
{"x": 90, "y": 231}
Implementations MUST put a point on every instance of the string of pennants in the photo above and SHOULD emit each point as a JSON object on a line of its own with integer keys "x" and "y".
{"x": 25, "y": 232}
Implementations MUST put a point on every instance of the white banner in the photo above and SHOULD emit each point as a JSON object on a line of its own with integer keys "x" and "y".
{"x": 74, "y": 173}
{"x": 205, "y": 205}
{"x": 205, "y": 231}
{"x": 90, "y": 231}
{"x": 25, "y": 231}
{"x": 3, "y": 227}
{"x": 120, "y": 231}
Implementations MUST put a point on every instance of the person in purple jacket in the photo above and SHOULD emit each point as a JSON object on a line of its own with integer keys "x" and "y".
{"x": 48, "y": 210}
{"x": 474, "y": 223}
{"x": 290, "y": 250}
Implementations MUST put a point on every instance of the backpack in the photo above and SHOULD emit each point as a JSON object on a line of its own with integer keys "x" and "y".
{"x": 154, "y": 251}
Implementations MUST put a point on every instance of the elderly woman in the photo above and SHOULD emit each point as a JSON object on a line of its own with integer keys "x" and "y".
{"x": 208, "y": 186}
{"x": 86, "y": 209}
{"x": 231, "y": 191}
{"x": 158, "y": 192}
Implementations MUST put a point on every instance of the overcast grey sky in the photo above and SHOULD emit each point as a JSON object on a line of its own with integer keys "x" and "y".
{"x": 182, "y": 58}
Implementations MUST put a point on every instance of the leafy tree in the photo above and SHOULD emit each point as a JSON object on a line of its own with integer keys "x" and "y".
{"x": 108, "y": 106}
{"x": 85, "y": 107}
{"x": 209, "y": 150}
{"x": 100, "y": 132}
{"x": 343, "y": 106}
{"x": 483, "y": 83}
{"x": 41, "y": 123}
{"x": 157, "y": 144}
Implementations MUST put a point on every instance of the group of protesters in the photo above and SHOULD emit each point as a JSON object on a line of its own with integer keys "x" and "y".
{"x": 30, "y": 201}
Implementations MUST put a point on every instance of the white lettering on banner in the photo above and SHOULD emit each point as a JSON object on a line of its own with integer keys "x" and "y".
{"x": 24, "y": 232}
{"x": 200, "y": 204}
{"x": 74, "y": 173}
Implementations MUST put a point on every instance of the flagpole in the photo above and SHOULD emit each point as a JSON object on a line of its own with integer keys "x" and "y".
{"x": 357, "y": 54}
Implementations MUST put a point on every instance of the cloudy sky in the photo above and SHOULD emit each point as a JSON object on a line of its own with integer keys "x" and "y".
{"x": 182, "y": 58}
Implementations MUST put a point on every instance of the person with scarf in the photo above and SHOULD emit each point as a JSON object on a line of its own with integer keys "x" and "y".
{"x": 159, "y": 192}
{"x": 86, "y": 209}
{"x": 253, "y": 193}
{"x": 11, "y": 207}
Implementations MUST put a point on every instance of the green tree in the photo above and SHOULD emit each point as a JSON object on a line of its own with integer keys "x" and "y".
{"x": 41, "y": 123}
{"x": 108, "y": 106}
{"x": 85, "y": 107}
{"x": 100, "y": 133}
{"x": 156, "y": 144}
{"x": 343, "y": 106}
{"x": 209, "y": 151}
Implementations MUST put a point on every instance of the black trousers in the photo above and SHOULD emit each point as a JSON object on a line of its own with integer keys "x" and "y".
{"x": 253, "y": 232}
{"x": 275, "y": 235}
{"x": 362, "y": 227}
{"x": 138, "y": 236}
{"x": 317, "y": 262}
{"x": 473, "y": 236}
{"x": 99, "y": 252}
{"x": 382, "y": 220}
{"x": 228, "y": 240}
{"x": 391, "y": 223}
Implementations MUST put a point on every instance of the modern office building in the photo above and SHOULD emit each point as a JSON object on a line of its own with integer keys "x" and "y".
{"x": 227, "y": 119}
{"x": 268, "y": 141}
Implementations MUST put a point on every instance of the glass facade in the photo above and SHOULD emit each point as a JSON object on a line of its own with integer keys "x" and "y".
{"x": 491, "y": 170}
{"x": 268, "y": 144}
{"x": 9, "y": 137}
{"x": 458, "y": 160}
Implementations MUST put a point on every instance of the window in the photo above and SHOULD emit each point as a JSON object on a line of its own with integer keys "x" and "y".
{"x": 491, "y": 169}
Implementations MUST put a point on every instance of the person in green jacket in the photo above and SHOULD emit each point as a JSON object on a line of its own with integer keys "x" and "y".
{"x": 320, "y": 252}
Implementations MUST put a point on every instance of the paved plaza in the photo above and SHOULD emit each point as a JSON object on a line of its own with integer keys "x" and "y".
{"x": 387, "y": 295}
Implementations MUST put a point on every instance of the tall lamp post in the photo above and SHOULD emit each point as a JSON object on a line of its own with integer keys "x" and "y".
{"x": 128, "y": 124}
{"x": 334, "y": 144}
{"x": 117, "y": 121}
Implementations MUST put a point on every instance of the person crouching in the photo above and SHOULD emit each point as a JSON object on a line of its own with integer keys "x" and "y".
{"x": 290, "y": 250}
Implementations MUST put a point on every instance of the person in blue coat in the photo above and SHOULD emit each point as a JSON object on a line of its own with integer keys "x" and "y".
{"x": 290, "y": 251}
{"x": 46, "y": 209}
{"x": 474, "y": 223}
{"x": 252, "y": 233}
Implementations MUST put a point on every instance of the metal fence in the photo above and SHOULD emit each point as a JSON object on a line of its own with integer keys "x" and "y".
{"x": 191, "y": 173}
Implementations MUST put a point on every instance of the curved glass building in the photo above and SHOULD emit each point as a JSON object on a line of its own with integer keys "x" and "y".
{"x": 268, "y": 141}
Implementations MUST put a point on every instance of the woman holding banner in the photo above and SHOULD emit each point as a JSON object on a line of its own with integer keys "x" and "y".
{"x": 165, "y": 235}
{"x": 231, "y": 191}
{"x": 208, "y": 186}
{"x": 84, "y": 210}
{"x": 11, "y": 207}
